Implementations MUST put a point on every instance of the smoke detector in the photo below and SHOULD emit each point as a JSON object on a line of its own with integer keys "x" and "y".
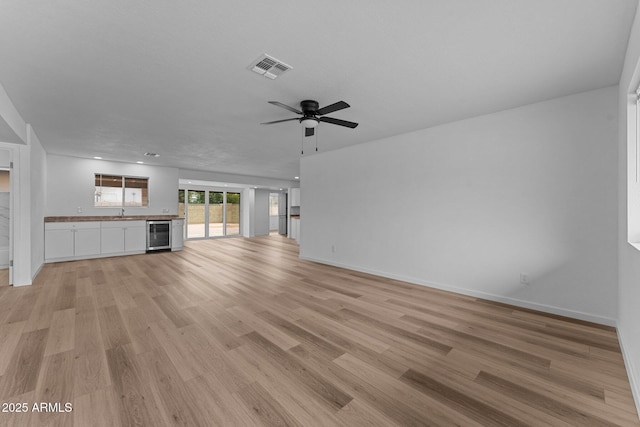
{"x": 269, "y": 67}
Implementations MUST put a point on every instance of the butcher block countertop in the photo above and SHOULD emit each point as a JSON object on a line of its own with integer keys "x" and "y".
{"x": 110, "y": 218}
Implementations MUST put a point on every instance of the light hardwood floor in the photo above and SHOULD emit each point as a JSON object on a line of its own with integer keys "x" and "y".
{"x": 4, "y": 277}
{"x": 239, "y": 332}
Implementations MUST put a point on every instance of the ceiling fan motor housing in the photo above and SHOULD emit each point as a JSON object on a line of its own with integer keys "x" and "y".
{"x": 309, "y": 107}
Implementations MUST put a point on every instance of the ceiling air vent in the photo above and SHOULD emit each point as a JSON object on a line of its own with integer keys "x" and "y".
{"x": 269, "y": 66}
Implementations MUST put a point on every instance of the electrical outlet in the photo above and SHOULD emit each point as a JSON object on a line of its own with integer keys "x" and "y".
{"x": 165, "y": 210}
{"x": 524, "y": 278}
{"x": 79, "y": 209}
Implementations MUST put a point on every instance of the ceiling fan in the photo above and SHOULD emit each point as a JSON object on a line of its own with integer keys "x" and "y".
{"x": 310, "y": 115}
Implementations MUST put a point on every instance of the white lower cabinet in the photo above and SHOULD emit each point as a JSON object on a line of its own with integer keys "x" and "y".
{"x": 112, "y": 237}
{"x": 177, "y": 234}
{"x": 295, "y": 229}
{"x": 58, "y": 243}
{"x": 69, "y": 240}
{"x": 135, "y": 237}
{"x": 118, "y": 237}
{"x": 91, "y": 239}
{"x": 87, "y": 242}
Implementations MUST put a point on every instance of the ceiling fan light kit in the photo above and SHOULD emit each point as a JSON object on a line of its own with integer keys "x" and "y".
{"x": 309, "y": 122}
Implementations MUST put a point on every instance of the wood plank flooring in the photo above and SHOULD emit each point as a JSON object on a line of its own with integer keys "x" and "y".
{"x": 4, "y": 277}
{"x": 240, "y": 332}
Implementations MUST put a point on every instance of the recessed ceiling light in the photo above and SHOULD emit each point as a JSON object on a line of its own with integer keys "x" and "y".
{"x": 188, "y": 182}
{"x": 152, "y": 154}
{"x": 296, "y": 177}
{"x": 97, "y": 157}
{"x": 140, "y": 163}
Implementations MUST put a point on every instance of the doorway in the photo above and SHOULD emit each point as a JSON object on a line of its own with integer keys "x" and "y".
{"x": 282, "y": 213}
{"x": 273, "y": 212}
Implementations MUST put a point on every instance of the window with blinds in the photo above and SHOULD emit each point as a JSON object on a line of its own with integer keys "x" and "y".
{"x": 121, "y": 191}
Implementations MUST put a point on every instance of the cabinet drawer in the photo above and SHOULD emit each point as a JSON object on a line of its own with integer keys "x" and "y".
{"x": 84, "y": 225}
{"x": 123, "y": 224}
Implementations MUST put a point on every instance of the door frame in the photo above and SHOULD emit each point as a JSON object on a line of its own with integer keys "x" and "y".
{"x": 9, "y": 169}
{"x": 7, "y": 165}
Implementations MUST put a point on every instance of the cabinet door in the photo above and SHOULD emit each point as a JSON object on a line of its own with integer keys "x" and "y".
{"x": 295, "y": 197}
{"x": 177, "y": 234}
{"x": 87, "y": 242}
{"x": 295, "y": 229}
{"x": 292, "y": 230}
{"x": 58, "y": 243}
{"x": 112, "y": 241}
{"x": 135, "y": 239}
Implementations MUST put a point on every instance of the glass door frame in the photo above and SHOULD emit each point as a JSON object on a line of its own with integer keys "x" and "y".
{"x": 208, "y": 190}
{"x": 225, "y": 206}
{"x": 224, "y": 213}
{"x": 186, "y": 214}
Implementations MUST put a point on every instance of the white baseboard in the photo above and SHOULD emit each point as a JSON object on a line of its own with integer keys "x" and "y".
{"x": 628, "y": 363}
{"x": 33, "y": 276}
{"x": 470, "y": 292}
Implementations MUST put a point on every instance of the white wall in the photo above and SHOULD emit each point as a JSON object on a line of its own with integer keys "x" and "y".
{"x": 186, "y": 174}
{"x": 38, "y": 171}
{"x": 11, "y": 116}
{"x": 71, "y": 185}
{"x": 470, "y": 205}
{"x": 629, "y": 257}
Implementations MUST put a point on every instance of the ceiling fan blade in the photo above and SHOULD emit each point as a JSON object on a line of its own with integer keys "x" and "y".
{"x": 279, "y": 121}
{"x": 340, "y": 105}
{"x": 286, "y": 107}
{"x": 309, "y": 131}
{"x": 338, "y": 122}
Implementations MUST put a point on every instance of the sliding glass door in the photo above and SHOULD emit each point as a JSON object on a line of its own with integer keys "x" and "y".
{"x": 216, "y": 213}
{"x": 232, "y": 214}
{"x": 210, "y": 213}
{"x": 196, "y": 215}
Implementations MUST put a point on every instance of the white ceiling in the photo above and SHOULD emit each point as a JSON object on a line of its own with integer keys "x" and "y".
{"x": 117, "y": 78}
{"x": 7, "y": 134}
